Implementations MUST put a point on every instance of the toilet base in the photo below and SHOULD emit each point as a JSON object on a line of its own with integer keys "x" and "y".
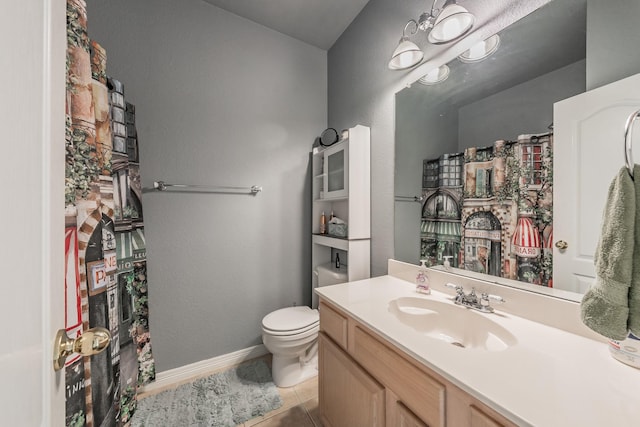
{"x": 289, "y": 371}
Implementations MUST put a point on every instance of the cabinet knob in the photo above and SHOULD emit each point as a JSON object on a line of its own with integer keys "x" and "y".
{"x": 561, "y": 244}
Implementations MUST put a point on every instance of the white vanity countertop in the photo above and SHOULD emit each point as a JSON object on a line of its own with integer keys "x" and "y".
{"x": 550, "y": 377}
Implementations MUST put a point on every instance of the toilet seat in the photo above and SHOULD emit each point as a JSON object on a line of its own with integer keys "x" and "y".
{"x": 291, "y": 321}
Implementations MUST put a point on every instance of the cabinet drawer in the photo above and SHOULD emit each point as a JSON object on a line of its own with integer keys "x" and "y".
{"x": 421, "y": 393}
{"x": 334, "y": 324}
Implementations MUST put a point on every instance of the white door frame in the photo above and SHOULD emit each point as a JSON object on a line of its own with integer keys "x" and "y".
{"x": 32, "y": 103}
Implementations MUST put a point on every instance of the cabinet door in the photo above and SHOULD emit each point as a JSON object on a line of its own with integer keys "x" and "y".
{"x": 348, "y": 396}
{"x": 406, "y": 418}
{"x": 466, "y": 411}
{"x": 336, "y": 171}
{"x": 398, "y": 415}
{"x": 480, "y": 419}
{"x": 415, "y": 388}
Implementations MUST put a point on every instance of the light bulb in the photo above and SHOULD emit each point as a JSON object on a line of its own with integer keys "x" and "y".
{"x": 432, "y": 75}
{"x": 478, "y": 50}
{"x": 451, "y": 29}
{"x": 481, "y": 50}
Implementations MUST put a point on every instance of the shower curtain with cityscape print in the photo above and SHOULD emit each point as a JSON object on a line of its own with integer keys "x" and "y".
{"x": 490, "y": 209}
{"x": 105, "y": 256}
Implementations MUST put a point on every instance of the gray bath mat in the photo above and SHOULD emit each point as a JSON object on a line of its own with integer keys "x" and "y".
{"x": 225, "y": 399}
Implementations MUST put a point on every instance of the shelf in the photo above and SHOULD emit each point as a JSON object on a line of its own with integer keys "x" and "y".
{"x": 334, "y": 242}
{"x": 329, "y": 235}
{"x": 320, "y": 176}
{"x": 331, "y": 199}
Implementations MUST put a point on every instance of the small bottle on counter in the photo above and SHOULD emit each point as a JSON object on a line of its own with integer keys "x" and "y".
{"x": 323, "y": 224}
{"x": 337, "y": 260}
{"x": 422, "y": 280}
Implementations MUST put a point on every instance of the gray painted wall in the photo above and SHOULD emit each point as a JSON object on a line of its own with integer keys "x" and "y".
{"x": 362, "y": 90}
{"x": 612, "y": 41}
{"x": 525, "y": 108}
{"x": 220, "y": 100}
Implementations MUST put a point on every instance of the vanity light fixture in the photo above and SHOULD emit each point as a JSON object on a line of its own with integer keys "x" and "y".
{"x": 452, "y": 22}
{"x": 481, "y": 50}
{"x": 435, "y": 76}
{"x": 445, "y": 25}
{"x": 407, "y": 54}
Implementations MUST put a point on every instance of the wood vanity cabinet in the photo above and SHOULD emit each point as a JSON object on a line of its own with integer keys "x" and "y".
{"x": 349, "y": 395}
{"x": 398, "y": 415}
{"x": 365, "y": 381}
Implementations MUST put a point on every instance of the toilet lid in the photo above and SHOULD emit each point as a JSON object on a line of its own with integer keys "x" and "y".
{"x": 291, "y": 319}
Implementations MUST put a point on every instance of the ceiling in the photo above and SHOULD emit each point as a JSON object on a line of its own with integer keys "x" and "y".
{"x": 317, "y": 22}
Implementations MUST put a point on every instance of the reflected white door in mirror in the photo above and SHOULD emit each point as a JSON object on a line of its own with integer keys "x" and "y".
{"x": 589, "y": 130}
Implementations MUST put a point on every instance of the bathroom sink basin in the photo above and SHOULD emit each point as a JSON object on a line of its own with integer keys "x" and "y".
{"x": 453, "y": 324}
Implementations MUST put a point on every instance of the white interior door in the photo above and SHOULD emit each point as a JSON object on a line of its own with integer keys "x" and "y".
{"x": 32, "y": 79}
{"x": 588, "y": 152}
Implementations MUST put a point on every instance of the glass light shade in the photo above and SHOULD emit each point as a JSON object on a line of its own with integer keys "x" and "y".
{"x": 451, "y": 23}
{"x": 406, "y": 55}
{"x": 435, "y": 76}
{"x": 481, "y": 50}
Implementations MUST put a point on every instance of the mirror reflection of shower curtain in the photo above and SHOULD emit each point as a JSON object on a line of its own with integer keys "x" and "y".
{"x": 105, "y": 268}
{"x": 441, "y": 210}
{"x": 490, "y": 209}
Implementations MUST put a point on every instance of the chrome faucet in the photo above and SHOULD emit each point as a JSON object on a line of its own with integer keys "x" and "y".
{"x": 471, "y": 299}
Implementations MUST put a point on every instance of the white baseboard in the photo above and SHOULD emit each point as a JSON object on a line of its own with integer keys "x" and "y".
{"x": 203, "y": 367}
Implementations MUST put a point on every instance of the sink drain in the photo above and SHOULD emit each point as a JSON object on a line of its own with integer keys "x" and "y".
{"x": 458, "y": 344}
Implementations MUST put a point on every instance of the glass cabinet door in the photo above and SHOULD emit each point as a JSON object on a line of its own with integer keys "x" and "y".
{"x": 336, "y": 171}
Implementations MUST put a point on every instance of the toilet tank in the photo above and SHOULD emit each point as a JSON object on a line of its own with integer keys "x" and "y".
{"x": 327, "y": 274}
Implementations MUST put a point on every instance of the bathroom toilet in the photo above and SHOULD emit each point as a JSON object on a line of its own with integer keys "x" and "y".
{"x": 291, "y": 335}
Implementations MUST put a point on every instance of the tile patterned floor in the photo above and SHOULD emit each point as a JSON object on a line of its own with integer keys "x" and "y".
{"x": 299, "y": 408}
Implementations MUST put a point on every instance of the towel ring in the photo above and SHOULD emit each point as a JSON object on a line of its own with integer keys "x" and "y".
{"x": 628, "y": 142}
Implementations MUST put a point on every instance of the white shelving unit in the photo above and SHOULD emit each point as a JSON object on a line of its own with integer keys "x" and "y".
{"x": 341, "y": 177}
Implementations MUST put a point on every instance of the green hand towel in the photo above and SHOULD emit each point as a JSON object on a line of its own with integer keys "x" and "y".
{"x": 605, "y": 306}
{"x": 634, "y": 292}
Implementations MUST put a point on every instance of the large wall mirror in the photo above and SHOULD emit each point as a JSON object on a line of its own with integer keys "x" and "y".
{"x": 457, "y": 132}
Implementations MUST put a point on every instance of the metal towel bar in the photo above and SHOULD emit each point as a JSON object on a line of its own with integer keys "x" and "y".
{"x": 409, "y": 198}
{"x": 163, "y": 186}
{"x": 628, "y": 141}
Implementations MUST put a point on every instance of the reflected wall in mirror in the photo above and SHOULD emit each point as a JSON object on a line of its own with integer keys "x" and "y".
{"x": 542, "y": 59}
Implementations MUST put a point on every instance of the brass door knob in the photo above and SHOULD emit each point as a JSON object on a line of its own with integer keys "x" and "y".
{"x": 561, "y": 244}
{"x": 92, "y": 341}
